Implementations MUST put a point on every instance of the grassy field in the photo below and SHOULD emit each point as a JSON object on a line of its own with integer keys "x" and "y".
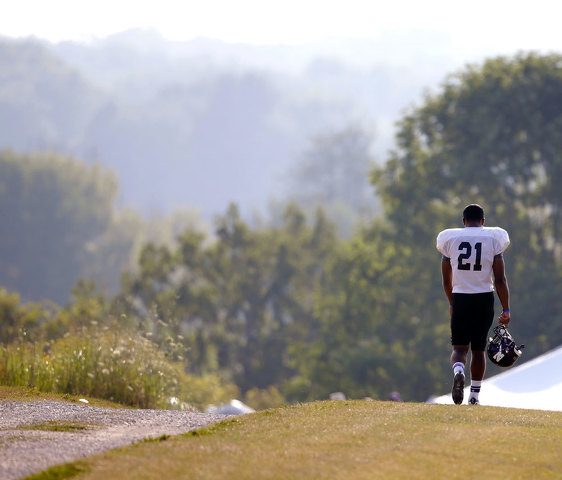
{"x": 346, "y": 440}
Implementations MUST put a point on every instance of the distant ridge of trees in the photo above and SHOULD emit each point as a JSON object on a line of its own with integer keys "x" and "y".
{"x": 197, "y": 124}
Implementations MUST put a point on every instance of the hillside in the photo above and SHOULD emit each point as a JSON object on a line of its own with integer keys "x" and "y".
{"x": 348, "y": 439}
{"x": 203, "y": 123}
{"x": 44, "y": 103}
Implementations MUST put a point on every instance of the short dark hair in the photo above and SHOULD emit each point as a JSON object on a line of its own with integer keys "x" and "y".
{"x": 473, "y": 212}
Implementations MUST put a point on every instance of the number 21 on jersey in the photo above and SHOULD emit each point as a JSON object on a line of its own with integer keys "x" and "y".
{"x": 466, "y": 251}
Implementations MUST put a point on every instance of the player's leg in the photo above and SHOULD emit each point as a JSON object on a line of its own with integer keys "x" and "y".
{"x": 477, "y": 370}
{"x": 483, "y": 322}
{"x": 477, "y": 364}
{"x": 458, "y": 361}
{"x": 459, "y": 355}
{"x": 460, "y": 339}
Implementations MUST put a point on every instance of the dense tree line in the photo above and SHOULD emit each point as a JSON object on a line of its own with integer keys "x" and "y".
{"x": 295, "y": 308}
{"x": 59, "y": 223}
{"x": 51, "y": 207}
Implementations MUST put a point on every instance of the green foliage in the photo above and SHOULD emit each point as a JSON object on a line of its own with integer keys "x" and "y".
{"x": 292, "y": 313}
{"x": 223, "y": 425}
{"x": 87, "y": 307}
{"x": 236, "y": 305}
{"x": 371, "y": 337}
{"x": 60, "y": 224}
{"x": 22, "y": 321}
{"x": 60, "y": 472}
{"x": 87, "y": 348}
{"x": 264, "y": 398}
{"x": 200, "y": 391}
{"x": 36, "y": 322}
{"x": 51, "y": 207}
{"x": 491, "y": 136}
{"x": 161, "y": 438}
{"x": 58, "y": 426}
{"x": 111, "y": 365}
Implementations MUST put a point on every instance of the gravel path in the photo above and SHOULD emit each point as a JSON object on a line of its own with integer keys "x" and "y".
{"x": 26, "y": 451}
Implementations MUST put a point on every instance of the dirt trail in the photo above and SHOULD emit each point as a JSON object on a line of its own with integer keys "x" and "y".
{"x": 25, "y": 451}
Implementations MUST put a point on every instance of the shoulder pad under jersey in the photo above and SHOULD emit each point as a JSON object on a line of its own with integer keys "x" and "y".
{"x": 444, "y": 237}
{"x": 501, "y": 238}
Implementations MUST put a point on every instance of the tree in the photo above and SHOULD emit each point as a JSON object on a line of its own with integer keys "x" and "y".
{"x": 373, "y": 337}
{"x": 333, "y": 173}
{"x": 51, "y": 207}
{"x": 237, "y": 304}
{"x": 43, "y": 102}
{"x": 334, "y": 168}
{"x": 22, "y": 322}
{"x": 490, "y": 135}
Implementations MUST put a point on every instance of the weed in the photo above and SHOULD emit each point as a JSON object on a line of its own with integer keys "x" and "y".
{"x": 161, "y": 438}
{"x": 120, "y": 367}
{"x": 211, "y": 429}
{"x": 60, "y": 472}
{"x": 126, "y": 369}
{"x": 58, "y": 426}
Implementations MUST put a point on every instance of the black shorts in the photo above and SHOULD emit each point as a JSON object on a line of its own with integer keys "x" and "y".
{"x": 473, "y": 314}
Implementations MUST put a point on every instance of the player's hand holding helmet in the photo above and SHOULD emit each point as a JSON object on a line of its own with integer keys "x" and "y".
{"x": 502, "y": 350}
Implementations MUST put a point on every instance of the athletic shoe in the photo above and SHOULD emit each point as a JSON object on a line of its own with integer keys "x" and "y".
{"x": 458, "y": 388}
{"x": 473, "y": 401}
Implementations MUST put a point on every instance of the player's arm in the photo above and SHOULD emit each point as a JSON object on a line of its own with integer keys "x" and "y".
{"x": 502, "y": 288}
{"x": 447, "y": 274}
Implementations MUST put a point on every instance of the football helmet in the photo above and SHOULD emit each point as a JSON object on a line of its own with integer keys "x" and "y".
{"x": 502, "y": 350}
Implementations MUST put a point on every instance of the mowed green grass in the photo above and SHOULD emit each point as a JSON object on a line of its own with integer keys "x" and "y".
{"x": 350, "y": 440}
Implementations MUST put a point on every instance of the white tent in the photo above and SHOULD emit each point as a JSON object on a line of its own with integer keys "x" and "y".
{"x": 234, "y": 407}
{"x": 536, "y": 384}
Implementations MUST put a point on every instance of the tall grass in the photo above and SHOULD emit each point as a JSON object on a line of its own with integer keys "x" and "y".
{"x": 104, "y": 364}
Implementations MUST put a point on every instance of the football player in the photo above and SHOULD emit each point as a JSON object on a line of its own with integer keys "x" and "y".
{"x": 472, "y": 267}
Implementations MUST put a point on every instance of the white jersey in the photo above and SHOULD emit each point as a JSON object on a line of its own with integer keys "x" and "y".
{"x": 472, "y": 251}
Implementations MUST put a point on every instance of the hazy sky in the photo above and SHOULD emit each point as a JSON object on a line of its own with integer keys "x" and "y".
{"x": 498, "y": 25}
